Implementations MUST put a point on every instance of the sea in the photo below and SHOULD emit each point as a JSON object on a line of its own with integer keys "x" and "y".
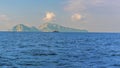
{"x": 59, "y": 50}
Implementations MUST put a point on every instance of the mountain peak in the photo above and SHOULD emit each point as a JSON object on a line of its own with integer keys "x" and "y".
{"x": 51, "y": 27}
{"x": 23, "y": 28}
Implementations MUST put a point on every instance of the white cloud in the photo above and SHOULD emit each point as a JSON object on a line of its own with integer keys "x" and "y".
{"x": 4, "y": 18}
{"x": 50, "y": 16}
{"x": 80, "y": 8}
{"x": 76, "y": 17}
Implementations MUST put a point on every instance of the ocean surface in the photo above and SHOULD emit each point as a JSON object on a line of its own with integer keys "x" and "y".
{"x": 59, "y": 50}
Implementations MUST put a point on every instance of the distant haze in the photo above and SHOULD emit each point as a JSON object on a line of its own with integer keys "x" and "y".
{"x": 92, "y": 15}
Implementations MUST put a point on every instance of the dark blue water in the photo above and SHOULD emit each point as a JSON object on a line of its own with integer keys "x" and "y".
{"x": 59, "y": 50}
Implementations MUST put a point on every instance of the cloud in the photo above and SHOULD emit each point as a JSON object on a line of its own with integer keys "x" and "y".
{"x": 74, "y": 5}
{"x": 98, "y": 1}
{"x": 50, "y": 16}
{"x": 80, "y": 8}
{"x": 4, "y": 18}
{"x": 76, "y": 17}
{"x": 81, "y": 5}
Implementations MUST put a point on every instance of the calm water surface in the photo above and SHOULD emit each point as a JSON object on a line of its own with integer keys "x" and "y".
{"x": 59, "y": 50}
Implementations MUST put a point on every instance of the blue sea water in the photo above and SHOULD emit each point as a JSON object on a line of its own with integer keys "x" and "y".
{"x": 59, "y": 50}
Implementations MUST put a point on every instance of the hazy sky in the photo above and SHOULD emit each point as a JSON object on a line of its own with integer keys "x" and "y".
{"x": 93, "y": 15}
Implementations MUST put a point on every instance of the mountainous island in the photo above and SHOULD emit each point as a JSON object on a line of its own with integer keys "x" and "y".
{"x": 46, "y": 27}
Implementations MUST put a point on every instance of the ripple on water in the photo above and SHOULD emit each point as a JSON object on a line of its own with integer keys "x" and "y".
{"x": 39, "y": 52}
{"x": 61, "y": 50}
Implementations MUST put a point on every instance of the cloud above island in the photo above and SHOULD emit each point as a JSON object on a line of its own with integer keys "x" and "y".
{"x": 76, "y": 17}
{"x": 50, "y": 16}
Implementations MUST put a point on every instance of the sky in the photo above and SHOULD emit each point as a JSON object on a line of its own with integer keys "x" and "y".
{"x": 92, "y": 15}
